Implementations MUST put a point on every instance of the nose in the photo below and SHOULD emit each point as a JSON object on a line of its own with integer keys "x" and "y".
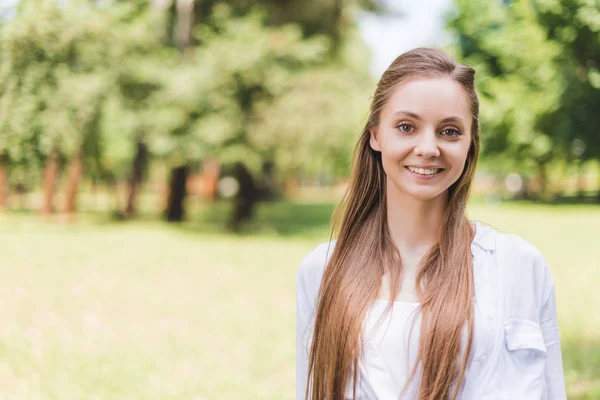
{"x": 427, "y": 145}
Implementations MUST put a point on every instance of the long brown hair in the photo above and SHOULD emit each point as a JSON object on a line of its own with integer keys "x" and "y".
{"x": 364, "y": 252}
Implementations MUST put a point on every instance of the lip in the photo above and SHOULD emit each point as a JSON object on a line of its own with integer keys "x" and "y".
{"x": 425, "y": 166}
{"x": 424, "y": 177}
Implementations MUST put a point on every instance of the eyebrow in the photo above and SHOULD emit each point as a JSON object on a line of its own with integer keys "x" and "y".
{"x": 416, "y": 116}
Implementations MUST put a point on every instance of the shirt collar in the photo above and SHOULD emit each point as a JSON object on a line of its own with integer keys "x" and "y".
{"x": 484, "y": 237}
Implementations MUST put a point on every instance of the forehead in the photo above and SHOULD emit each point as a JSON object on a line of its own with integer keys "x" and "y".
{"x": 430, "y": 98}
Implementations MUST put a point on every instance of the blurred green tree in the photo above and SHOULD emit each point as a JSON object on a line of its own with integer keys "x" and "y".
{"x": 537, "y": 63}
{"x": 51, "y": 89}
{"x": 210, "y": 99}
{"x": 518, "y": 81}
{"x": 575, "y": 25}
{"x": 68, "y": 74}
{"x": 105, "y": 87}
{"x": 257, "y": 56}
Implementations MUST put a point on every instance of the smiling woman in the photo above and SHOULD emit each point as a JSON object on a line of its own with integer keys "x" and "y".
{"x": 468, "y": 312}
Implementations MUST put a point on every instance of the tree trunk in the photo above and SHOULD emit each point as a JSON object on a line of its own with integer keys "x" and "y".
{"x": 74, "y": 177}
{"x": 542, "y": 173}
{"x": 3, "y": 183}
{"x": 177, "y": 191}
{"x": 245, "y": 199}
{"x": 50, "y": 179}
{"x": 598, "y": 194}
{"x": 210, "y": 174}
{"x": 182, "y": 37}
{"x": 135, "y": 179}
{"x": 21, "y": 192}
{"x": 291, "y": 184}
{"x": 118, "y": 211}
{"x": 94, "y": 192}
{"x": 337, "y": 22}
{"x": 182, "y": 30}
{"x": 580, "y": 180}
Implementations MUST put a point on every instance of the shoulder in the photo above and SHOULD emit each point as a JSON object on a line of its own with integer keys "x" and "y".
{"x": 507, "y": 246}
{"x": 522, "y": 252}
{"x": 310, "y": 272}
{"x": 313, "y": 264}
{"x": 522, "y": 263}
{"x": 518, "y": 246}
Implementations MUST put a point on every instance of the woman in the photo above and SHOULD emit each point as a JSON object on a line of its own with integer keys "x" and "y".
{"x": 413, "y": 301}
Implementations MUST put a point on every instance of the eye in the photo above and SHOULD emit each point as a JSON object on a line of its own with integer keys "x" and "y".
{"x": 451, "y": 132}
{"x": 405, "y": 127}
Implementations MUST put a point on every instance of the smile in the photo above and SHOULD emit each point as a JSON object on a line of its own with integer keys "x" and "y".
{"x": 425, "y": 171}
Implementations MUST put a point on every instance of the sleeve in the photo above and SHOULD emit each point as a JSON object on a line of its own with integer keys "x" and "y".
{"x": 555, "y": 383}
{"x": 304, "y": 325}
{"x": 302, "y": 347}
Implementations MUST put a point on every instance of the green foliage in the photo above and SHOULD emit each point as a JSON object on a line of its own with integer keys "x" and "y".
{"x": 314, "y": 125}
{"x": 52, "y": 86}
{"x": 518, "y": 81}
{"x": 210, "y": 100}
{"x": 575, "y": 26}
{"x": 537, "y": 63}
{"x": 59, "y": 68}
{"x": 252, "y": 87}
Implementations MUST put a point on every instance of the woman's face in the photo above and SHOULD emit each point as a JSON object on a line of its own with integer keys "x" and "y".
{"x": 424, "y": 135}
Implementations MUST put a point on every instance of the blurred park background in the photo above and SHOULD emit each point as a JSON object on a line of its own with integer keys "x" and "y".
{"x": 165, "y": 165}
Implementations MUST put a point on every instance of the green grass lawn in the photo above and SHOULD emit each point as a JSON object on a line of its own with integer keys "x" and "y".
{"x": 142, "y": 310}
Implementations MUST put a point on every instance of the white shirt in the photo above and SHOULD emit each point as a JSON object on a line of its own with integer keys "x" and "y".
{"x": 516, "y": 347}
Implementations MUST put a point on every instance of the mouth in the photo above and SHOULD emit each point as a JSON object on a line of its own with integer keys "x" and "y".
{"x": 425, "y": 172}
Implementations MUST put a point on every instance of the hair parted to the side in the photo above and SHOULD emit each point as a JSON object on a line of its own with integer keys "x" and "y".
{"x": 364, "y": 252}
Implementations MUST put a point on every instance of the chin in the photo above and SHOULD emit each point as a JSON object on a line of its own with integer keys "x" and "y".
{"x": 424, "y": 195}
{"x": 417, "y": 192}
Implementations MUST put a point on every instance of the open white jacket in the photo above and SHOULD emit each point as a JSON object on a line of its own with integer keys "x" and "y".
{"x": 516, "y": 349}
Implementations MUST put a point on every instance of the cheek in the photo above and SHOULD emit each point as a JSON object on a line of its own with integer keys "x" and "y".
{"x": 395, "y": 149}
{"x": 392, "y": 159}
{"x": 459, "y": 161}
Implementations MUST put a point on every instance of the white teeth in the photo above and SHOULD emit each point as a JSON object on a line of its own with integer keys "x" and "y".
{"x": 424, "y": 171}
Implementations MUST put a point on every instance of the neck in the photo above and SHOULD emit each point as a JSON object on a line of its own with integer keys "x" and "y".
{"x": 414, "y": 224}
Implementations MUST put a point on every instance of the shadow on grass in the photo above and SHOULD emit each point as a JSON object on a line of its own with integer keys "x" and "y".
{"x": 581, "y": 361}
{"x": 591, "y": 199}
{"x": 278, "y": 218}
{"x": 281, "y": 218}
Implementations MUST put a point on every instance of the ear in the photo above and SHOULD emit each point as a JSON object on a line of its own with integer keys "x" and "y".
{"x": 374, "y": 140}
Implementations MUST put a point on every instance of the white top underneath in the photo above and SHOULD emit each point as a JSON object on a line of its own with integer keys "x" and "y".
{"x": 393, "y": 337}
